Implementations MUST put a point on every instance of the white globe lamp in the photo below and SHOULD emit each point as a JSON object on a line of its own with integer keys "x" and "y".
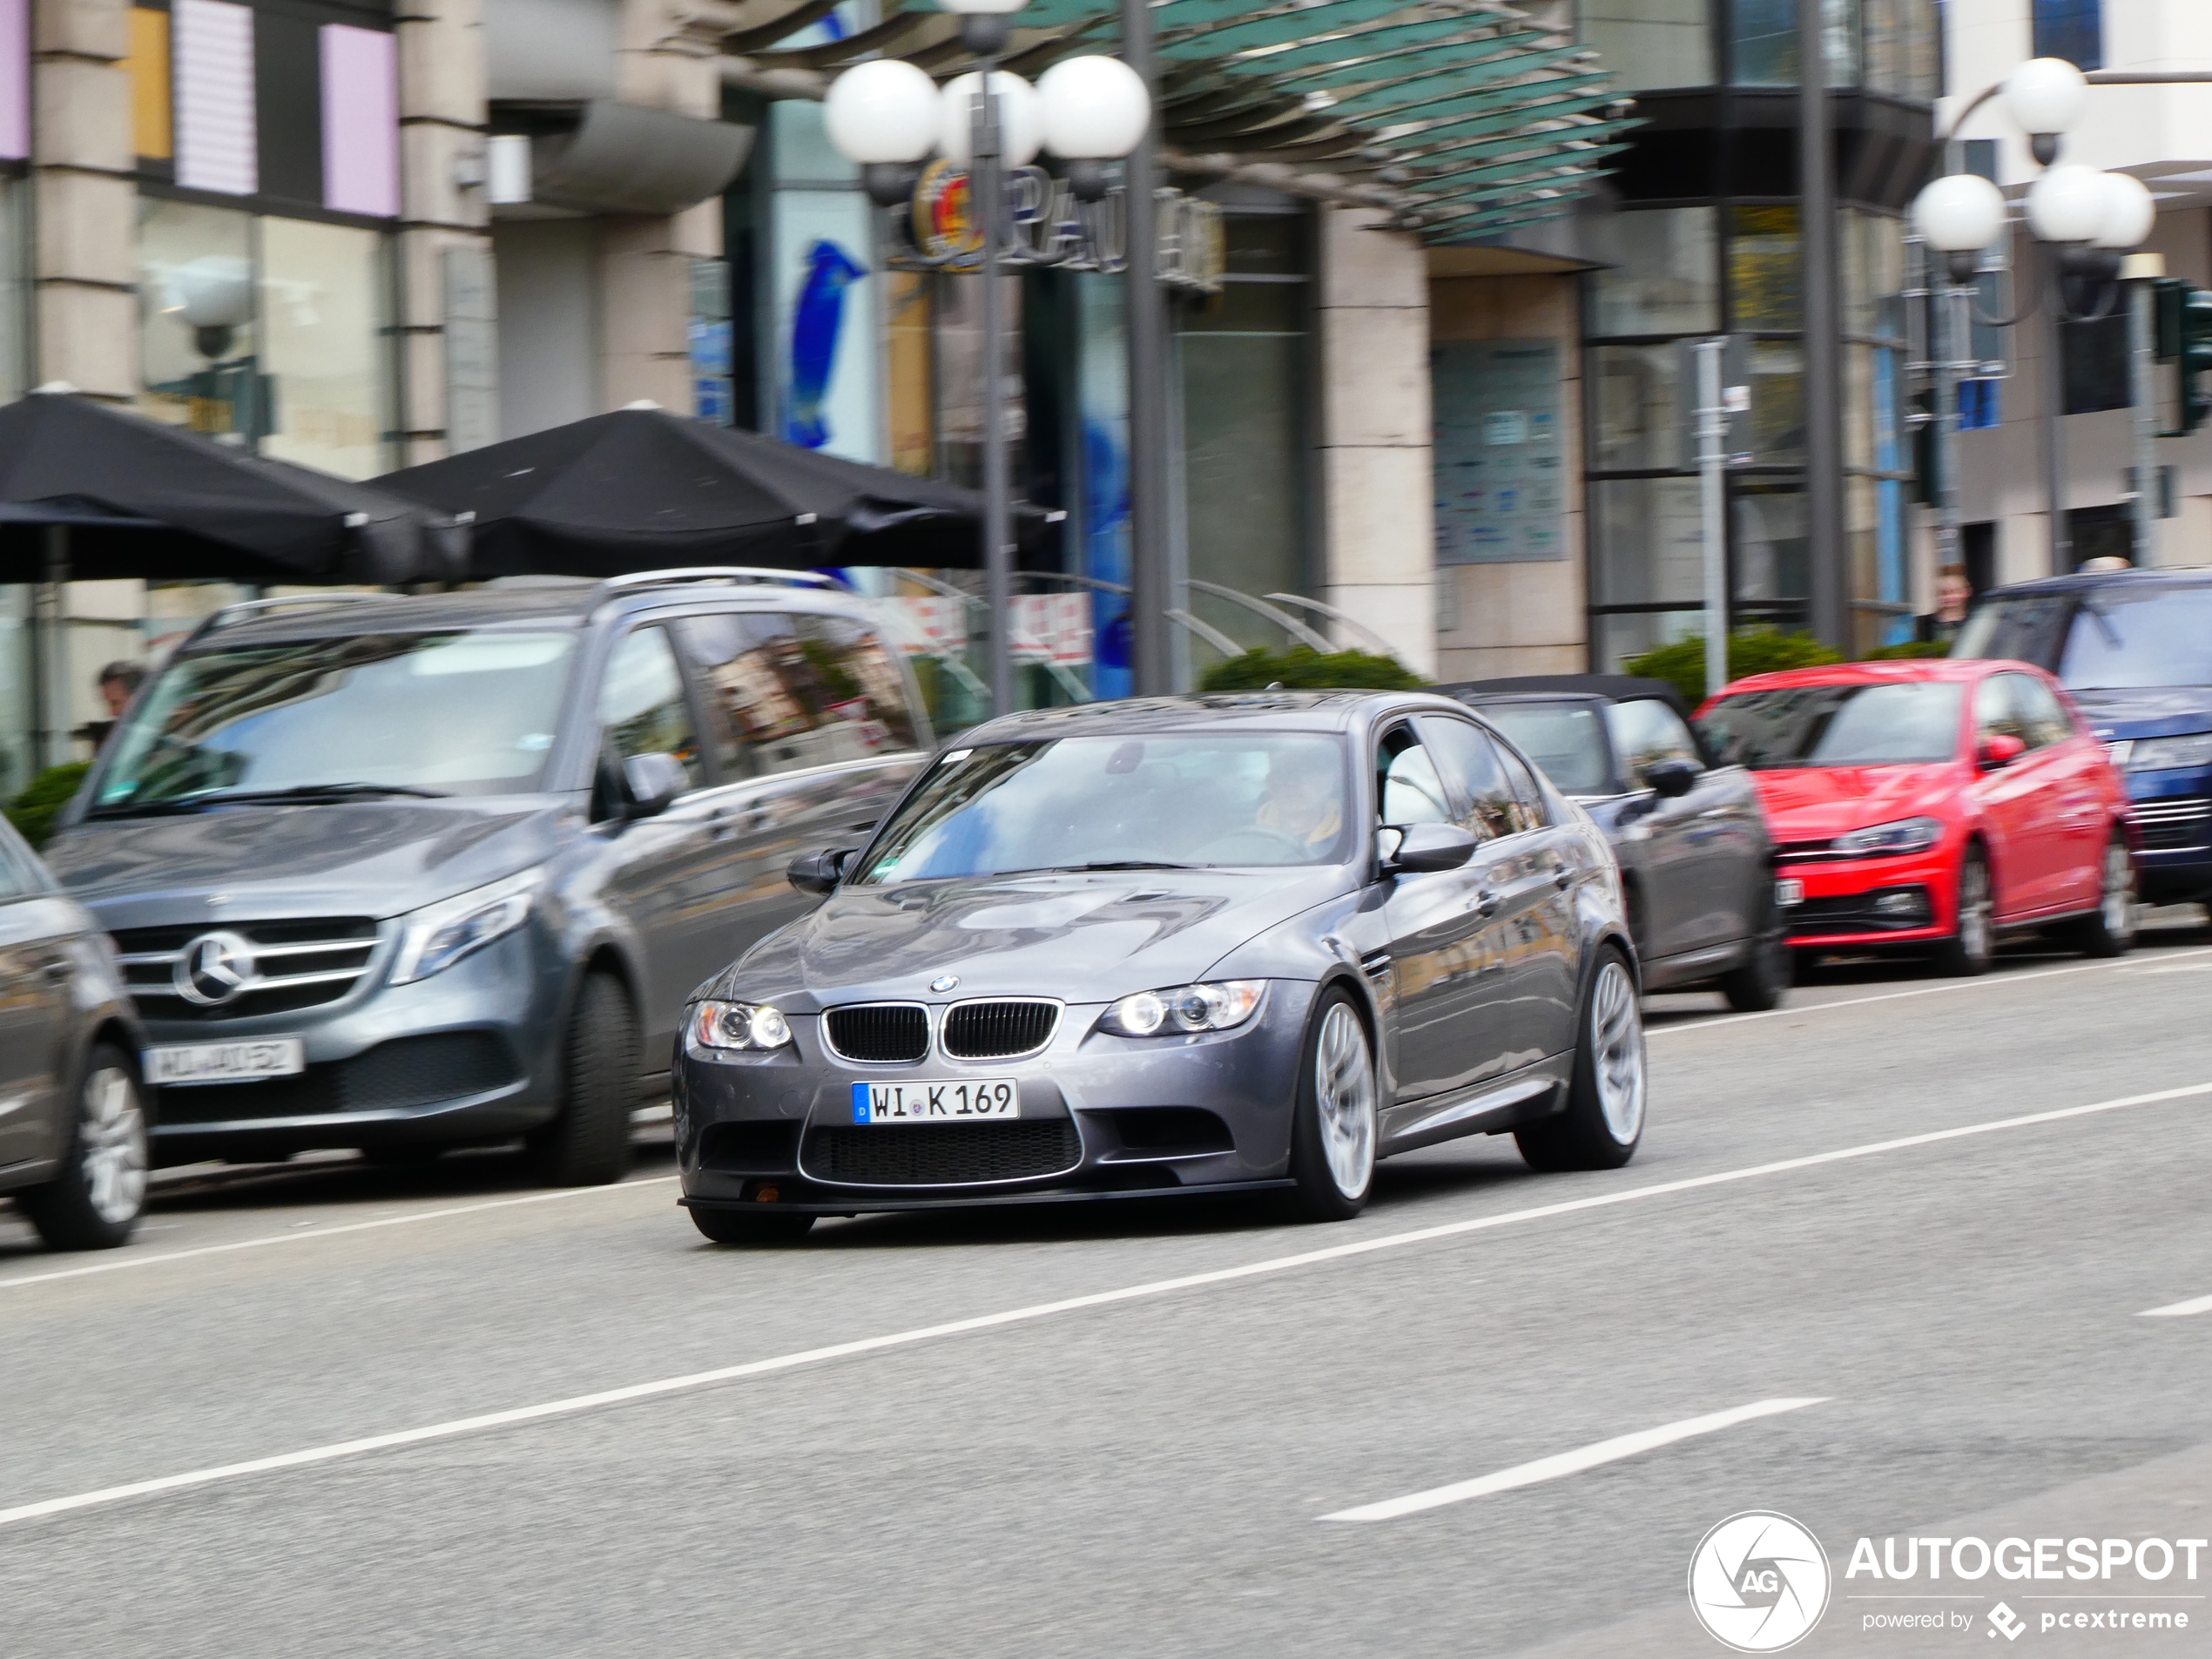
{"x": 1958, "y": 216}
{"x": 883, "y": 115}
{"x": 2068, "y": 206}
{"x": 2048, "y": 96}
{"x": 1020, "y": 130}
{"x": 2131, "y": 213}
{"x": 983, "y": 25}
{"x": 1095, "y": 110}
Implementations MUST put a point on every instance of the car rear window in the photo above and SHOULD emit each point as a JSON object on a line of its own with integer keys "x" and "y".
{"x": 1565, "y": 739}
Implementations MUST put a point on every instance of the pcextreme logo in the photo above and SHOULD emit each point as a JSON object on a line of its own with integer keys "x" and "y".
{"x": 1758, "y": 1582}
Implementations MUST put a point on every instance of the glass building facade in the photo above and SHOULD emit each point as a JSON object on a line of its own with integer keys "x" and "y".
{"x": 1704, "y": 237}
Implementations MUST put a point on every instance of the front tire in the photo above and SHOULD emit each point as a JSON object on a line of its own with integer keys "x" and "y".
{"x": 762, "y": 1227}
{"x": 95, "y": 1201}
{"x": 2110, "y": 930}
{"x": 1335, "y": 1125}
{"x": 588, "y": 1145}
{"x": 1759, "y": 981}
{"x": 1968, "y": 951}
{"x": 1603, "y": 1123}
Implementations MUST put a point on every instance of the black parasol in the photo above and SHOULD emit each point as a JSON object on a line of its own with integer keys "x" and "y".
{"x": 642, "y": 489}
{"x": 89, "y": 491}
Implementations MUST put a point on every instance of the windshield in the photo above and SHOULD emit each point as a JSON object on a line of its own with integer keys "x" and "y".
{"x": 1081, "y": 803}
{"x": 1565, "y": 740}
{"x": 448, "y": 714}
{"x": 2155, "y": 636}
{"x": 2024, "y": 630}
{"x": 1837, "y": 725}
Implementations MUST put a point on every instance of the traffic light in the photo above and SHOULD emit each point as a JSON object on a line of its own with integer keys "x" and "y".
{"x": 2185, "y": 340}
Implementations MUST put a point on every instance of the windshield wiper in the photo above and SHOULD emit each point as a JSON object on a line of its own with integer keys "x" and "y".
{"x": 306, "y": 792}
{"x": 1132, "y": 864}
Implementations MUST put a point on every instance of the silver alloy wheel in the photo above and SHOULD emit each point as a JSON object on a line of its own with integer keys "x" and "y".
{"x": 1973, "y": 910}
{"x": 112, "y": 1145}
{"x": 1344, "y": 1089}
{"x": 1616, "y": 1058}
{"x": 2119, "y": 899}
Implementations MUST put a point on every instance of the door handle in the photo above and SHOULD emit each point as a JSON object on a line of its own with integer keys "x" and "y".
{"x": 1562, "y": 879}
{"x": 1486, "y": 902}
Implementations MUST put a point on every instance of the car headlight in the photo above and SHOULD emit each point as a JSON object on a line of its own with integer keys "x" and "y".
{"x": 437, "y": 936}
{"x": 1905, "y": 836}
{"x": 753, "y": 1027}
{"x": 1186, "y": 1008}
{"x": 2164, "y": 754}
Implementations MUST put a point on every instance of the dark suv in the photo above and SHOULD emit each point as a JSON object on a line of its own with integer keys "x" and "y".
{"x": 2134, "y": 648}
{"x": 403, "y": 874}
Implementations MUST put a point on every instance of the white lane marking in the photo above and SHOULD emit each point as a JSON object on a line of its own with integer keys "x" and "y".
{"x": 2178, "y": 967}
{"x": 1069, "y": 1305}
{"x": 293, "y": 1235}
{"x": 2178, "y": 1309}
{"x": 1988, "y": 982}
{"x": 1566, "y": 1463}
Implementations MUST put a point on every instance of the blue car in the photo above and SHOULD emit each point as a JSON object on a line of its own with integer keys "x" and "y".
{"x": 2134, "y": 648}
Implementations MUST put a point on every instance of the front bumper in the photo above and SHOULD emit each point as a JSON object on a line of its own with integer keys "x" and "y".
{"x": 1102, "y": 1117}
{"x": 1909, "y": 898}
{"x": 2173, "y": 815}
{"x": 468, "y": 1053}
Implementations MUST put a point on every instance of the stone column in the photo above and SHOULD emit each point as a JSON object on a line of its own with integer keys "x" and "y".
{"x": 1379, "y": 511}
{"x": 84, "y": 194}
{"x": 667, "y": 60}
{"x": 444, "y": 244}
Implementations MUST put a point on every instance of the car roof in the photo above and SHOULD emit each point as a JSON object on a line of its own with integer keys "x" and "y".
{"x": 523, "y": 601}
{"x": 1908, "y": 671}
{"x": 1346, "y": 711}
{"x": 2088, "y": 581}
{"x": 1609, "y": 688}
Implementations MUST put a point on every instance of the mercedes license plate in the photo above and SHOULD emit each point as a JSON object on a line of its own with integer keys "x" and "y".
{"x": 225, "y": 1063}
{"x": 1788, "y": 891}
{"x": 936, "y": 1102}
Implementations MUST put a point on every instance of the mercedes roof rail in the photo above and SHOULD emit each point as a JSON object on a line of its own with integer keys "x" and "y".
{"x": 636, "y": 579}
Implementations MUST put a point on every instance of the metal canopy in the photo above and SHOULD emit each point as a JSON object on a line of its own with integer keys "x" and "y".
{"x": 1462, "y": 118}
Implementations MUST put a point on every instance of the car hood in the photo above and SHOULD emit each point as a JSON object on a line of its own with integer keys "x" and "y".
{"x": 1081, "y": 937}
{"x": 2147, "y": 711}
{"x": 375, "y": 858}
{"x": 1819, "y": 803}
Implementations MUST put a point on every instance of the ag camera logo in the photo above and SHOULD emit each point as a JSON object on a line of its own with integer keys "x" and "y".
{"x": 1758, "y": 1582}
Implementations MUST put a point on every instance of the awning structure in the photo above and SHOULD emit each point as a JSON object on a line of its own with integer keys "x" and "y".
{"x": 1464, "y": 120}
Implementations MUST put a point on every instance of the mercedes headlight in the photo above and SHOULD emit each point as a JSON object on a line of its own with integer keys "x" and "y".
{"x": 1905, "y": 836}
{"x": 1186, "y": 1008}
{"x": 751, "y": 1027}
{"x": 437, "y": 936}
{"x": 2167, "y": 754}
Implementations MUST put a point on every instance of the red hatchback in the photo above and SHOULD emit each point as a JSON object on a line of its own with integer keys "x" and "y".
{"x": 1933, "y": 803}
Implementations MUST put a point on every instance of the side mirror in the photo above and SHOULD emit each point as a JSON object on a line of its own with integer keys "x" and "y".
{"x": 820, "y": 872}
{"x": 652, "y": 782}
{"x": 1999, "y": 751}
{"x": 1674, "y": 776}
{"x": 1424, "y": 848}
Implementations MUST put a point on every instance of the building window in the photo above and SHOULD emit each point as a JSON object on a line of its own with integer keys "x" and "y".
{"x": 269, "y": 333}
{"x": 1646, "y": 44}
{"x": 2073, "y": 30}
{"x": 1660, "y": 274}
{"x": 1763, "y": 42}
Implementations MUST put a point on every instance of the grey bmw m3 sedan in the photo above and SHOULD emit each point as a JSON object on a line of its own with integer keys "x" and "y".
{"x": 1210, "y": 943}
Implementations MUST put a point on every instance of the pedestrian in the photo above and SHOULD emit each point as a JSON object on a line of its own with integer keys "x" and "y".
{"x": 118, "y": 684}
{"x": 1953, "y": 594}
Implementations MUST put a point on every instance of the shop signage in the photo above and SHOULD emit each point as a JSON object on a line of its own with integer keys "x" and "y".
{"x": 1050, "y": 227}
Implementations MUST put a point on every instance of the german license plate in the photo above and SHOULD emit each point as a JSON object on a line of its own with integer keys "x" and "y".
{"x": 936, "y": 1102}
{"x": 1788, "y": 892}
{"x": 187, "y": 1064}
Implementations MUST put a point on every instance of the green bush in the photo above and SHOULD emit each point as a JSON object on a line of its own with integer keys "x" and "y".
{"x": 1750, "y": 651}
{"x": 32, "y": 811}
{"x": 1910, "y": 648}
{"x": 1304, "y": 669}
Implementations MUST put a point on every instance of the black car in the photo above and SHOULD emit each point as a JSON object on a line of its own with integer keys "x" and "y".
{"x": 1696, "y": 858}
{"x": 73, "y": 1112}
{"x": 1167, "y": 945}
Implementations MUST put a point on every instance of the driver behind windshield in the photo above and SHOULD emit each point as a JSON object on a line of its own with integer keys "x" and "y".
{"x": 1303, "y": 800}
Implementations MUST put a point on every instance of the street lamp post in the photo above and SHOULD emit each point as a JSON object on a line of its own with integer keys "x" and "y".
{"x": 887, "y": 115}
{"x": 2083, "y": 218}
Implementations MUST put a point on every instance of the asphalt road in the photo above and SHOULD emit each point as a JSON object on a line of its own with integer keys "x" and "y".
{"x": 1114, "y": 1429}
